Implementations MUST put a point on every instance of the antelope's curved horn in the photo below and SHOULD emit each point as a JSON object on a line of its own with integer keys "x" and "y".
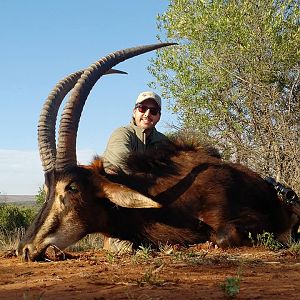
{"x": 115, "y": 71}
{"x": 66, "y": 149}
{"x": 47, "y": 121}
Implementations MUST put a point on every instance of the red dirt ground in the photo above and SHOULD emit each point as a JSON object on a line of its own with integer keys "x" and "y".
{"x": 192, "y": 273}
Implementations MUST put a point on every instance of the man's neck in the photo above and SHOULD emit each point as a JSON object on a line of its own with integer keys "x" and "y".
{"x": 148, "y": 131}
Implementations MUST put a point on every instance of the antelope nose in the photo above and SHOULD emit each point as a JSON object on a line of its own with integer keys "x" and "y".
{"x": 24, "y": 252}
{"x": 25, "y": 255}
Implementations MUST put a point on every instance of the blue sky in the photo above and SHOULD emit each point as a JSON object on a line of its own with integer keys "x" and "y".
{"x": 44, "y": 41}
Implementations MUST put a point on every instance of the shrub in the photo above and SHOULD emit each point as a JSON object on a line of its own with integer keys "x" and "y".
{"x": 266, "y": 240}
{"x": 294, "y": 248}
{"x": 231, "y": 286}
{"x": 40, "y": 197}
{"x": 13, "y": 216}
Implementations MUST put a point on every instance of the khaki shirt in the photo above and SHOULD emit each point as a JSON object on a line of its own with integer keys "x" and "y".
{"x": 125, "y": 140}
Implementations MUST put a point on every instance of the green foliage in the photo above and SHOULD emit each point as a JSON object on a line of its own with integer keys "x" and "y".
{"x": 294, "y": 248}
{"x": 144, "y": 252}
{"x": 234, "y": 79}
{"x": 14, "y": 220}
{"x": 40, "y": 197}
{"x": 150, "y": 277}
{"x": 231, "y": 286}
{"x": 111, "y": 257}
{"x": 13, "y": 216}
{"x": 266, "y": 240}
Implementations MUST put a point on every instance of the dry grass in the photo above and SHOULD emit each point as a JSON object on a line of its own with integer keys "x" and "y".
{"x": 10, "y": 240}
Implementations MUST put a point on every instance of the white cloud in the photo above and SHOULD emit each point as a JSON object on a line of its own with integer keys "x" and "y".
{"x": 21, "y": 171}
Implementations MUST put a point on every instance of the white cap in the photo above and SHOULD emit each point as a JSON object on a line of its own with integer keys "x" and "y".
{"x": 148, "y": 95}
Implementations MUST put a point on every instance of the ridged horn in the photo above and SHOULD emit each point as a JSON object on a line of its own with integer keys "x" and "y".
{"x": 66, "y": 149}
{"x": 48, "y": 116}
{"x": 47, "y": 121}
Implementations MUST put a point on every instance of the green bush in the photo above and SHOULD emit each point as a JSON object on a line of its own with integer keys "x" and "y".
{"x": 40, "y": 197}
{"x": 13, "y": 216}
{"x": 231, "y": 286}
{"x": 266, "y": 240}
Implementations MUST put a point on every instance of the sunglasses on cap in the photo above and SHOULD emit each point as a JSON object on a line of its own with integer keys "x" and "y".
{"x": 143, "y": 108}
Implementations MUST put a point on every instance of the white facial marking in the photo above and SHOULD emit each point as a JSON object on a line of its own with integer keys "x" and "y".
{"x": 57, "y": 207}
{"x": 46, "y": 190}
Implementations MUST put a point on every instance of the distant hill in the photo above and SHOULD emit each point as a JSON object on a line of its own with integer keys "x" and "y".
{"x": 19, "y": 199}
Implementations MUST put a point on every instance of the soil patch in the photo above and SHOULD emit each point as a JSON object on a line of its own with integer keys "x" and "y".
{"x": 193, "y": 273}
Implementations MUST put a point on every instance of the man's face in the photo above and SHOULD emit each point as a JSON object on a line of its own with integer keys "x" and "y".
{"x": 143, "y": 116}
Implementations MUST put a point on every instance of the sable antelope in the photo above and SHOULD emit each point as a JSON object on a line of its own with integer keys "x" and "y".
{"x": 180, "y": 194}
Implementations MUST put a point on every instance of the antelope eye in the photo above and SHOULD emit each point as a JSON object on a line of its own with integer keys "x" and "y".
{"x": 73, "y": 187}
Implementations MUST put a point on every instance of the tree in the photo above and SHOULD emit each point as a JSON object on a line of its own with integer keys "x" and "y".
{"x": 234, "y": 79}
{"x": 40, "y": 197}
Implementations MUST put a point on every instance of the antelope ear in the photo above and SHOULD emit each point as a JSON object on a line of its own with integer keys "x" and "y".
{"x": 126, "y": 197}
